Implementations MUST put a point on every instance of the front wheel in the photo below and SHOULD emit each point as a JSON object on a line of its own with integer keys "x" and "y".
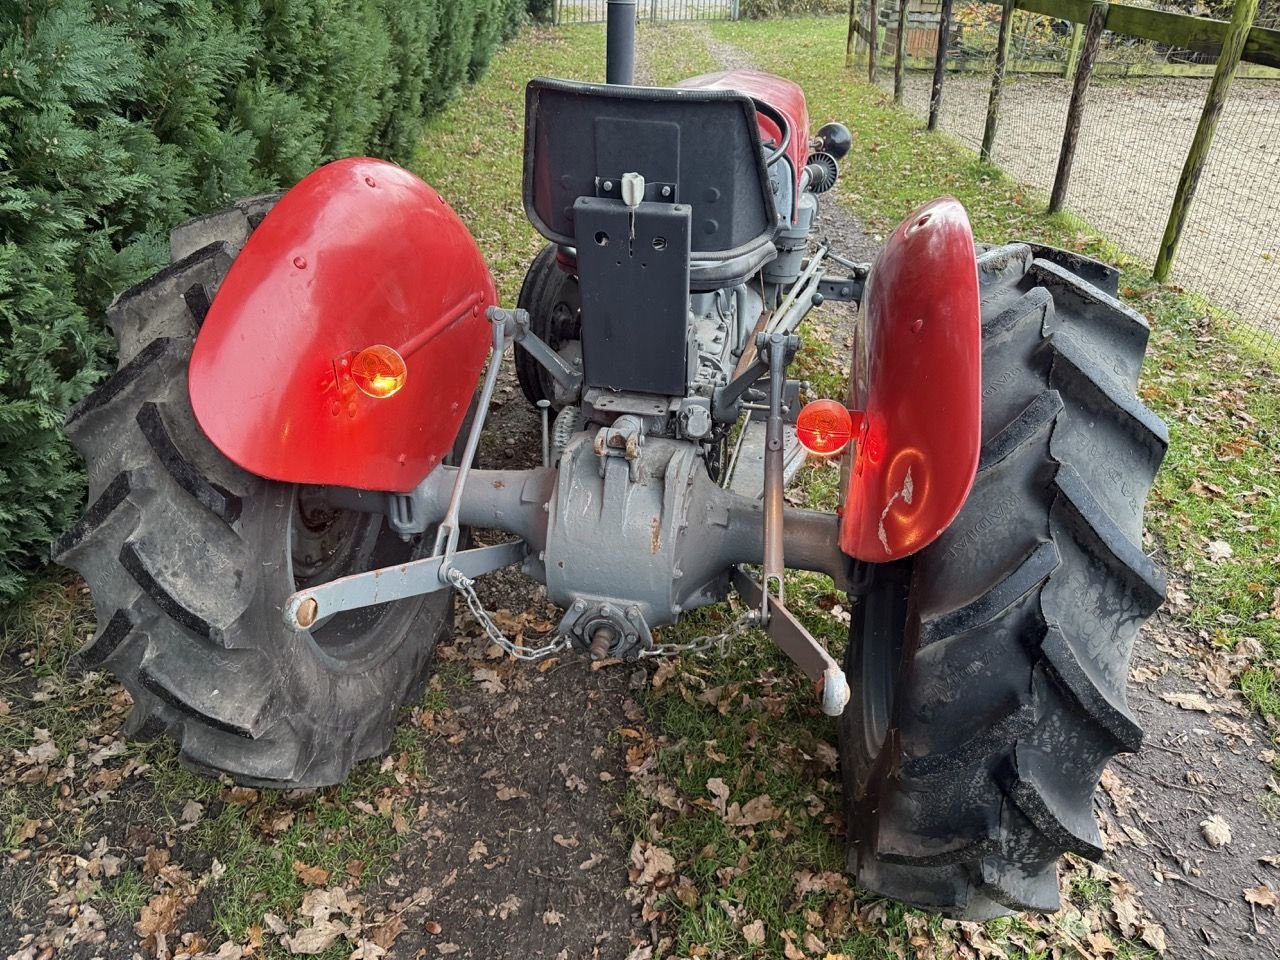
{"x": 189, "y": 560}
{"x": 989, "y": 670}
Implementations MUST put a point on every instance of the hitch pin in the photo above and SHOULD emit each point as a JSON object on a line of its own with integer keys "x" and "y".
{"x": 544, "y": 408}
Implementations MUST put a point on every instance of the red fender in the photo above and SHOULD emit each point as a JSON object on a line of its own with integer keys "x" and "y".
{"x": 917, "y": 376}
{"x": 359, "y": 253}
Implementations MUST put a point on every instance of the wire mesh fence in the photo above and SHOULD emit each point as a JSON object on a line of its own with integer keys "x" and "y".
{"x": 596, "y": 11}
{"x": 1143, "y": 105}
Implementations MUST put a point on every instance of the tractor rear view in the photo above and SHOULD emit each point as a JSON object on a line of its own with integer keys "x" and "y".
{"x": 282, "y": 472}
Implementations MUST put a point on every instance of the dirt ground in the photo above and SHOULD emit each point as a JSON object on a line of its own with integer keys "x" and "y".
{"x": 517, "y": 851}
{"x": 1133, "y": 141}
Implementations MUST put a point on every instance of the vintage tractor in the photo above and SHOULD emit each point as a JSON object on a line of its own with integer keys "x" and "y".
{"x": 282, "y": 483}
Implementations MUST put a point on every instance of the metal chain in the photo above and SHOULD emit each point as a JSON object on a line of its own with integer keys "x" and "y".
{"x": 465, "y": 587}
{"x": 722, "y": 641}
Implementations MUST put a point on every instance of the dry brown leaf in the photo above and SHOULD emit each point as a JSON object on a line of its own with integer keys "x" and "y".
{"x": 489, "y": 680}
{"x": 1263, "y": 896}
{"x": 720, "y": 790}
{"x": 1215, "y": 831}
{"x": 813, "y": 944}
{"x": 1188, "y": 701}
{"x": 789, "y": 949}
{"x": 591, "y": 861}
{"x": 448, "y": 948}
{"x": 158, "y": 918}
{"x": 567, "y": 842}
{"x": 757, "y": 810}
{"x": 510, "y": 793}
{"x": 509, "y": 906}
{"x": 666, "y": 670}
{"x": 753, "y": 933}
{"x": 1127, "y": 914}
{"x": 314, "y": 939}
{"x": 650, "y": 862}
{"x": 478, "y": 851}
{"x": 1271, "y": 860}
{"x": 309, "y": 875}
{"x": 1153, "y": 936}
{"x": 25, "y": 831}
{"x": 552, "y": 918}
{"x": 385, "y": 933}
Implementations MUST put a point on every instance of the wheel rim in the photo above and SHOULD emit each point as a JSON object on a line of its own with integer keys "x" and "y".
{"x": 328, "y": 542}
{"x": 874, "y": 662}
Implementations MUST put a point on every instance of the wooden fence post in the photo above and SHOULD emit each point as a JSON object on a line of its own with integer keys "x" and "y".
{"x": 997, "y": 80}
{"x": 1075, "y": 112}
{"x": 1073, "y": 51}
{"x": 1228, "y": 59}
{"x": 873, "y": 39}
{"x": 900, "y": 60}
{"x": 939, "y": 64}
{"x": 853, "y": 33}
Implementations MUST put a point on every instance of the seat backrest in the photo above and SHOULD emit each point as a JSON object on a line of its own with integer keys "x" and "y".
{"x": 701, "y": 146}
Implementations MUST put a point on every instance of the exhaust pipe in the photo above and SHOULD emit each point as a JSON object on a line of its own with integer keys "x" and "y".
{"x": 620, "y": 42}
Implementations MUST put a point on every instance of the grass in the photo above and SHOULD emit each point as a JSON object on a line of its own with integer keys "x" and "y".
{"x": 748, "y": 719}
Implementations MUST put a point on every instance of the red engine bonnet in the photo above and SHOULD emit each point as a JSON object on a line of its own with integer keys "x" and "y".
{"x": 917, "y": 375}
{"x": 359, "y": 253}
{"x": 783, "y": 95}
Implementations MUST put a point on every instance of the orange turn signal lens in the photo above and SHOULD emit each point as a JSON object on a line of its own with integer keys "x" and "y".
{"x": 824, "y": 427}
{"x": 378, "y": 371}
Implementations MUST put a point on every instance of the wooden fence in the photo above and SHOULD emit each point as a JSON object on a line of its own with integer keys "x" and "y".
{"x": 1235, "y": 44}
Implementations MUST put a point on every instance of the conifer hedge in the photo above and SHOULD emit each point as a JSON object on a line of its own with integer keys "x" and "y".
{"x": 120, "y": 118}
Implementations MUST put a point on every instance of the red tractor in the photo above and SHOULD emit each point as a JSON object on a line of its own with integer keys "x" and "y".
{"x": 281, "y": 470}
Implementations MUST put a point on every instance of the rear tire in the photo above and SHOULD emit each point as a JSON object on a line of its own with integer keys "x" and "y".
{"x": 991, "y": 666}
{"x": 189, "y": 559}
{"x": 555, "y": 316}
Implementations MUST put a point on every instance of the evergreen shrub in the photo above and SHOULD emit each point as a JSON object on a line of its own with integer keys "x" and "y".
{"x": 121, "y": 118}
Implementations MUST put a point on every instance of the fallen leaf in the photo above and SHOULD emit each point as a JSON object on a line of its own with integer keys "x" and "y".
{"x": 1153, "y": 936}
{"x": 720, "y": 790}
{"x": 309, "y": 875}
{"x": 1263, "y": 896}
{"x": 159, "y": 917}
{"x": 1188, "y": 701}
{"x": 25, "y": 831}
{"x": 552, "y": 918}
{"x": 757, "y": 810}
{"x": 590, "y": 862}
{"x": 1218, "y": 550}
{"x": 478, "y": 851}
{"x": 567, "y": 842}
{"x": 650, "y": 862}
{"x": 314, "y": 939}
{"x": 1215, "y": 831}
{"x": 192, "y": 812}
{"x": 489, "y": 680}
{"x": 448, "y": 948}
{"x": 509, "y": 906}
{"x": 385, "y": 933}
{"x": 666, "y": 670}
{"x": 753, "y": 933}
{"x": 510, "y": 793}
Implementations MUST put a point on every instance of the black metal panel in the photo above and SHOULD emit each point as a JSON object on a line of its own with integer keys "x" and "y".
{"x": 704, "y": 142}
{"x": 633, "y": 275}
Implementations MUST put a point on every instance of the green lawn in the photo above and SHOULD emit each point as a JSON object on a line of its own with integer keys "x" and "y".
{"x": 746, "y": 720}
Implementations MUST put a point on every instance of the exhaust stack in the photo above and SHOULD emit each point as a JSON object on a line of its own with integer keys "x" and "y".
{"x": 620, "y": 42}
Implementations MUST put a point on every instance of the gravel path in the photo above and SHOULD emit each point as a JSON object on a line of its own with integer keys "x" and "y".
{"x": 1132, "y": 146}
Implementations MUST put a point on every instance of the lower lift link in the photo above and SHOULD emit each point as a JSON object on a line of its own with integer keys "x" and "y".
{"x": 449, "y": 567}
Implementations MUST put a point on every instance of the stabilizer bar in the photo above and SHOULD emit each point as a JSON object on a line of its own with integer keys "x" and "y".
{"x": 798, "y": 644}
{"x": 411, "y": 579}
